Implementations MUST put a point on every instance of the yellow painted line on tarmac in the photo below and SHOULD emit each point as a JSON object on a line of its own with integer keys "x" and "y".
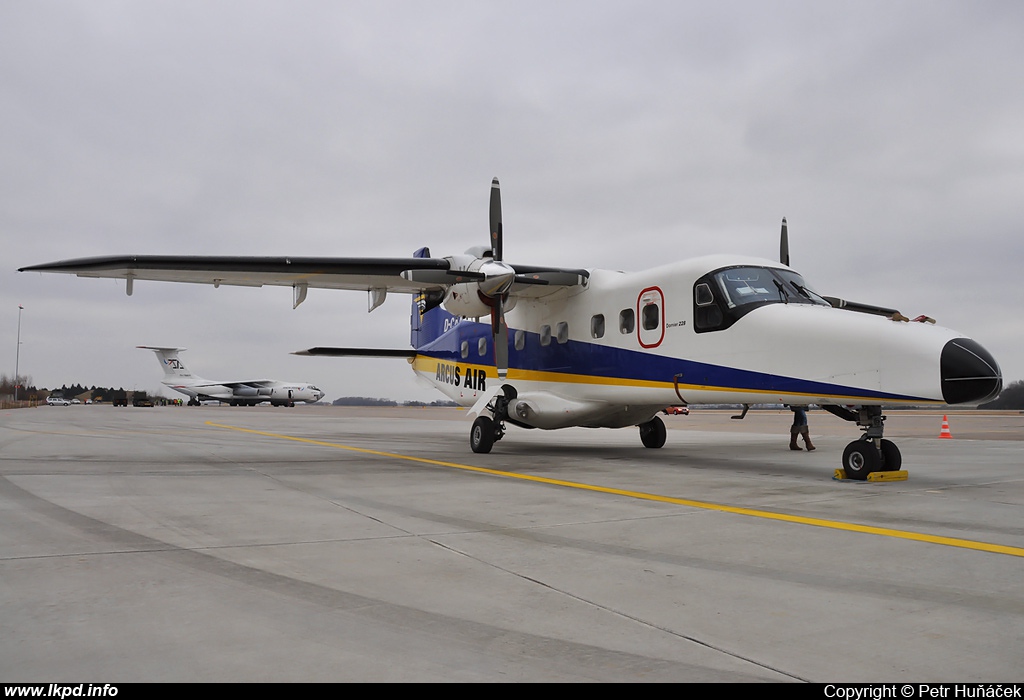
{"x": 704, "y": 505}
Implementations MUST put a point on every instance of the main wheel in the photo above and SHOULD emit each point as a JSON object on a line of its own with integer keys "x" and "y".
{"x": 481, "y": 436}
{"x": 860, "y": 458}
{"x": 892, "y": 460}
{"x": 652, "y": 433}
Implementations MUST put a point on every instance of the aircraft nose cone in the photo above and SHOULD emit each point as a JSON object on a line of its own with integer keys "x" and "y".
{"x": 969, "y": 372}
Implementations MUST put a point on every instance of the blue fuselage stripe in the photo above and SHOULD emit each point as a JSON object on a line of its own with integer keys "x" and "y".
{"x": 604, "y": 362}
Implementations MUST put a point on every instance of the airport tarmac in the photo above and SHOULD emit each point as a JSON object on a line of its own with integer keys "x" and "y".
{"x": 330, "y": 544}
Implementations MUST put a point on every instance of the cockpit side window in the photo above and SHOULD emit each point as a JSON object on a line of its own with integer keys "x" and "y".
{"x": 702, "y": 295}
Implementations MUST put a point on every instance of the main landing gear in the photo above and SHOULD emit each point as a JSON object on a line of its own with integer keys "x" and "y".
{"x": 486, "y": 431}
{"x": 652, "y": 433}
{"x": 872, "y": 452}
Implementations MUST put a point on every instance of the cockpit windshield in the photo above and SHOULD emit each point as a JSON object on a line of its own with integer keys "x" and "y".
{"x": 722, "y": 297}
{"x": 747, "y": 285}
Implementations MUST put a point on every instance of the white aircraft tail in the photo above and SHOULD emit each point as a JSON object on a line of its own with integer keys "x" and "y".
{"x": 168, "y": 359}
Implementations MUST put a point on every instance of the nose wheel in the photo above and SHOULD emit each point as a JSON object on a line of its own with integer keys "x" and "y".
{"x": 860, "y": 458}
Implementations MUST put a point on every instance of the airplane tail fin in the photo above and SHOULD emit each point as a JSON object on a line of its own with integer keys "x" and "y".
{"x": 168, "y": 359}
{"x": 428, "y": 321}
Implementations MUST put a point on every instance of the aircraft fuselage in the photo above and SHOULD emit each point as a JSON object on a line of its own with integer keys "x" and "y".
{"x": 618, "y": 350}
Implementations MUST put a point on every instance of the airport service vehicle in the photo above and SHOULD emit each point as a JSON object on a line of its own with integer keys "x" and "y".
{"x": 676, "y": 411}
{"x": 546, "y": 347}
{"x": 57, "y": 401}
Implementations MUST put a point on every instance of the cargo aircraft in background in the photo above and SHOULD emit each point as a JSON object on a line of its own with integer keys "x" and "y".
{"x": 562, "y": 347}
{"x": 236, "y": 393}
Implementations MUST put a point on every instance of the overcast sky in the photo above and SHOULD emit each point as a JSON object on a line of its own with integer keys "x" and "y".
{"x": 625, "y": 134}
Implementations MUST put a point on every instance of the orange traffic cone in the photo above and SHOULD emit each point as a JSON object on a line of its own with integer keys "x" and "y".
{"x": 944, "y": 433}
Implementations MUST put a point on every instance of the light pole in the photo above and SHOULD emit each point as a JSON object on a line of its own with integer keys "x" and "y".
{"x": 17, "y": 354}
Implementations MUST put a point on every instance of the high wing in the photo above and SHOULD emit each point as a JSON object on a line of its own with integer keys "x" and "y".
{"x": 255, "y": 384}
{"x": 422, "y": 274}
{"x": 476, "y": 284}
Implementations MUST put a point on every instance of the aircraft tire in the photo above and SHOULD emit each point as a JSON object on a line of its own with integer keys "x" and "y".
{"x": 860, "y": 458}
{"x": 653, "y": 433}
{"x": 481, "y": 436}
{"x": 892, "y": 460}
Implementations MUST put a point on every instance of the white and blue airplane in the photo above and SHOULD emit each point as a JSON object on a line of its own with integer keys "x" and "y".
{"x": 247, "y": 392}
{"x": 611, "y": 349}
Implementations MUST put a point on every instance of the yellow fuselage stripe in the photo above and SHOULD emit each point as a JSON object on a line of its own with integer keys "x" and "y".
{"x": 769, "y": 515}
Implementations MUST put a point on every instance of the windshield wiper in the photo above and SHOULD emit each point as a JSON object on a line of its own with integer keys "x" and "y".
{"x": 813, "y": 296}
{"x": 783, "y": 294}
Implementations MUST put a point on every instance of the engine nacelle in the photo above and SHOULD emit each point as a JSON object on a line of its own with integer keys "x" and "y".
{"x": 473, "y": 299}
{"x": 464, "y": 300}
{"x": 550, "y": 412}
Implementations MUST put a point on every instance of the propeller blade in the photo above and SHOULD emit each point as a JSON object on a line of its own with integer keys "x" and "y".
{"x": 495, "y": 219}
{"x": 500, "y": 334}
{"x": 784, "y": 244}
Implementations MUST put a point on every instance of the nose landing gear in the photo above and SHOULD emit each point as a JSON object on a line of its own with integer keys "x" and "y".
{"x": 871, "y": 453}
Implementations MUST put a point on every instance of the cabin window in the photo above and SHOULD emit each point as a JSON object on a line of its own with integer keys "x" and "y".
{"x": 520, "y": 337}
{"x": 597, "y": 326}
{"x": 481, "y": 347}
{"x": 562, "y": 333}
{"x": 627, "y": 321}
{"x": 545, "y": 335}
{"x": 464, "y": 349}
{"x": 651, "y": 317}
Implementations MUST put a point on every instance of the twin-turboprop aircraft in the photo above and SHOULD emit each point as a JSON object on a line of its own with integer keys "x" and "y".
{"x": 608, "y": 349}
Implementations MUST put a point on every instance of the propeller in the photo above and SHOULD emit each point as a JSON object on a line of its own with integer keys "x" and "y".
{"x": 784, "y": 244}
{"x": 487, "y": 273}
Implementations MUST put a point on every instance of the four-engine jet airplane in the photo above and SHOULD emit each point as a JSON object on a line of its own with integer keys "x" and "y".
{"x": 236, "y": 393}
{"x": 610, "y": 349}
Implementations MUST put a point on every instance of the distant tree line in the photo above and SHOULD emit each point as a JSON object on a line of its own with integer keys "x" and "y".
{"x": 362, "y": 401}
{"x": 1012, "y": 397}
{"x": 28, "y": 389}
{"x": 25, "y": 389}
